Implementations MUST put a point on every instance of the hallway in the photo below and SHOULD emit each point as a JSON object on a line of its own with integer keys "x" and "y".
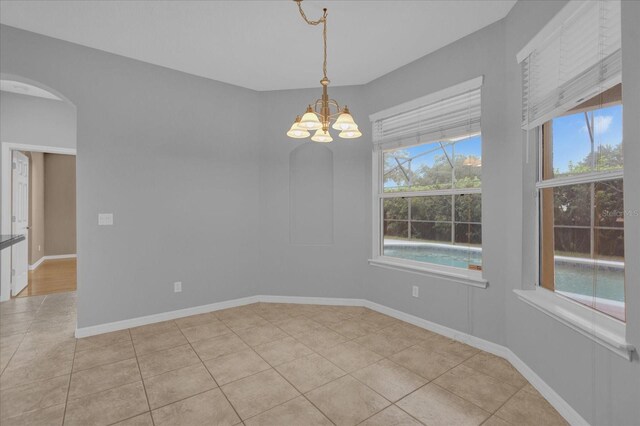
{"x": 52, "y": 276}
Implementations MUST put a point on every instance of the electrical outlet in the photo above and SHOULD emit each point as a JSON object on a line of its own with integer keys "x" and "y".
{"x": 416, "y": 291}
{"x": 177, "y": 287}
{"x": 39, "y": 249}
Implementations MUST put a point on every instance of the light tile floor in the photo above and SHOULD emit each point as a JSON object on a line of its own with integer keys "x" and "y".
{"x": 260, "y": 364}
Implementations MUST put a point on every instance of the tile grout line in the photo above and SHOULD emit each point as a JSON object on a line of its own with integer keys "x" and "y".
{"x": 272, "y": 368}
{"x": 275, "y": 369}
{"x": 306, "y": 316}
{"x": 73, "y": 360}
{"x": 24, "y": 335}
{"x": 211, "y": 375}
{"x": 350, "y": 373}
{"x": 364, "y": 384}
{"x": 301, "y": 394}
{"x": 432, "y": 381}
{"x": 230, "y": 332}
{"x": 141, "y": 378}
{"x": 388, "y": 358}
{"x": 495, "y": 413}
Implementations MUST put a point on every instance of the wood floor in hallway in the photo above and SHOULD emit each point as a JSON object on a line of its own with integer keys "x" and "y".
{"x": 52, "y": 276}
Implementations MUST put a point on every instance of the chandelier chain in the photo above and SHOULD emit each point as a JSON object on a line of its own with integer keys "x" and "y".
{"x": 322, "y": 21}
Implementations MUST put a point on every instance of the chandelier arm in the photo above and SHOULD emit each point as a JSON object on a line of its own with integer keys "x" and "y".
{"x": 322, "y": 21}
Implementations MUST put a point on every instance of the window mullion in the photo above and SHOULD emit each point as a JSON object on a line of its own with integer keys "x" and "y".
{"x": 583, "y": 178}
{"x": 431, "y": 193}
{"x": 453, "y": 219}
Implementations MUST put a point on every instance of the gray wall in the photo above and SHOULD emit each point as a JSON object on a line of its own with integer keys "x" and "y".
{"x": 36, "y": 121}
{"x": 201, "y": 197}
{"x": 479, "y": 312}
{"x": 328, "y": 267}
{"x": 601, "y": 386}
{"x": 171, "y": 157}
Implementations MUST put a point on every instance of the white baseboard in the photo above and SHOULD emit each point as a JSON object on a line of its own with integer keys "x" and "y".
{"x": 565, "y": 410}
{"x": 164, "y": 316}
{"x": 56, "y": 256}
{"x": 35, "y": 265}
{"x": 562, "y": 406}
{"x": 335, "y": 301}
{"x": 571, "y": 415}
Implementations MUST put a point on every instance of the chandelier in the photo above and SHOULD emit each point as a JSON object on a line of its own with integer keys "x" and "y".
{"x": 323, "y": 111}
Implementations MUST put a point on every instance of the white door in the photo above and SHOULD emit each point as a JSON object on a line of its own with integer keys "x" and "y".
{"x": 20, "y": 222}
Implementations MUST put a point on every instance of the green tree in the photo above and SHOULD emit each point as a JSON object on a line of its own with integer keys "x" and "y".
{"x": 431, "y": 217}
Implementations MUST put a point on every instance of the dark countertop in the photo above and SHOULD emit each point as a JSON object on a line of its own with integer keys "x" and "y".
{"x": 9, "y": 240}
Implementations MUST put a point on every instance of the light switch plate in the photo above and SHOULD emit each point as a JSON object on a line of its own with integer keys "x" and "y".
{"x": 177, "y": 287}
{"x": 105, "y": 219}
{"x": 415, "y": 291}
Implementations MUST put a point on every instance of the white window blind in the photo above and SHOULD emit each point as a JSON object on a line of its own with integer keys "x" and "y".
{"x": 574, "y": 57}
{"x": 445, "y": 115}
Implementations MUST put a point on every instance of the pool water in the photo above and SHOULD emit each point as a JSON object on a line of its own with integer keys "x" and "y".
{"x": 605, "y": 283}
{"x": 571, "y": 278}
{"x": 456, "y": 257}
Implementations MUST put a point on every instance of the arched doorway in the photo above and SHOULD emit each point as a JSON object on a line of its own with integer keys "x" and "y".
{"x": 38, "y": 133}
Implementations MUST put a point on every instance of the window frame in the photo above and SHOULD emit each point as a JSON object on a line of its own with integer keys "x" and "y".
{"x": 601, "y": 328}
{"x": 592, "y": 177}
{"x": 469, "y": 277}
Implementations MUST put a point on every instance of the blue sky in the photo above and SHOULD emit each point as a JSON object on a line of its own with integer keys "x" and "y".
{"x": 466, "y": 147}
{"x": 571, "y": 139}
{"x": 471, "y": 146}
{"x": 571, "y": 136}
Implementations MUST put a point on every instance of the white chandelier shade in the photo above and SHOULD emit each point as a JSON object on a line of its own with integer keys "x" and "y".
{"x": 310, "y": 120}
{"x": 345, "y": 121}
{"x": 322, "y": 136}
{"x": 350, "y": 134}
{"x": 297, "y": 131}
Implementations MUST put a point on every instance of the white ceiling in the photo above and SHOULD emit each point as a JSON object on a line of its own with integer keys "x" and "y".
{"x": 26, "y": 89}
{"x": 262, "y": 45}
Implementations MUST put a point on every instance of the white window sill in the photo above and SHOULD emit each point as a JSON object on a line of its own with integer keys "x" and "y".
{"x": 598, "y": 327}
{"x": 459, "y": 275}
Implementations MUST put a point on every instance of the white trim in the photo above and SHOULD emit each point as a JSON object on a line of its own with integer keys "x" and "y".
{"x": 376, "y": 182}
{"x": 458, "y": 275}
{"x": 431, "y": 193}
{"x": 429, "y": 99}
{"x": 5, "y": 202}
{"x": 602, "y": 329}
{"x": 61, "y": 256}
{"x": 565, "y": 410}
{"x": 304, "y": 300}
{"x": 555, "y": 24}
{"x": 164, "y": 316}
{"x": 35, "y": 265}
{"x": 57, "y": 256}
{"x": 580, "y": 179}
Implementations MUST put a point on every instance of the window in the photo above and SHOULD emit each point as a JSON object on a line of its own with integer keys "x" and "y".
{"x": 581, "y": 204}
{"x": 428, "y": 196}
{"x": 431, "y": 202}
{"x": 572, "y": 93}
